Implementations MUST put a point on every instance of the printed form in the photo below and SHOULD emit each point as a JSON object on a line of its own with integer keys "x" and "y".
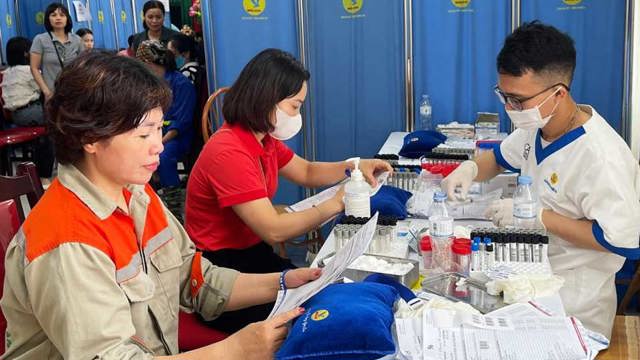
{"x": 356, "y": 246}
{"x": 447, "y": 336}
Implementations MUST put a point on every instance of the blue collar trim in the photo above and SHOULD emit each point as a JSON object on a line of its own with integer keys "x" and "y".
{"x": 557, "y": 145}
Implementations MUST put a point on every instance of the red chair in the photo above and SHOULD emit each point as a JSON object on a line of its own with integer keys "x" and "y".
{"x": 194, "y": 334}
{"x": 12, "y": 213}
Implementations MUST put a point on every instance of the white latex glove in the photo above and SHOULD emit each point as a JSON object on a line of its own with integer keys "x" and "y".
{"x": 501, "y": 213}
{"x": 462, "y": 176}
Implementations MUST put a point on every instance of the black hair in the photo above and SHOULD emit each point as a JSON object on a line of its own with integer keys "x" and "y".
{"x": 183, "y": 43}
{"x": 152, "y": 4}
{"x": 270, "y": 77}
{"x": 540, "y": 48}
{"x": 50, "y": 10}
{"x": 18, "y": 51}
{"x": 100, "y": 95}
{"x": 130, "y": 40}
{"x": 84, "y": 31}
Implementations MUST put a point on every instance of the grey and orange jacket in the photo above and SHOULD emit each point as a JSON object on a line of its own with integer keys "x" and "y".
{"x": 87, "y": 280}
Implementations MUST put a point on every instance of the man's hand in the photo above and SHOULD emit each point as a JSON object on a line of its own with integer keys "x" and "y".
{"x": 461, "y": 177}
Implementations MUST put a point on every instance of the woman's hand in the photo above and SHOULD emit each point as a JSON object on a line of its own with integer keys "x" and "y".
{"x": 371, "y": 168}
{"x": 260, "y": 340}
{"x": 298, "y": 277}
{"x": 47, "y": 94}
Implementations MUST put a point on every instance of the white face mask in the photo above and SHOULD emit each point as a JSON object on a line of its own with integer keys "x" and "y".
{"x": 531, "y": 119}
{"x": 286, "y": 126}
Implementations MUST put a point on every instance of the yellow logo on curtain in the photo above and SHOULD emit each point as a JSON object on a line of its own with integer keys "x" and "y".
{"x": 352, "y": 6}
{"x": 461, "y": 3}
{"x": 100, "y": 16}
{"x": 40, "y": 18}
{"x": 123, "y": 16}
{"x": 572, "y": 2}
{"x": 9, "y": 20}
{"x": 254, "y": 7}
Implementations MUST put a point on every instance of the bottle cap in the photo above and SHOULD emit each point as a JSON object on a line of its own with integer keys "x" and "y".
{"x": 439, "y": 196}
{"x": 425, "y": 243}
{"x": 524, "y": 180}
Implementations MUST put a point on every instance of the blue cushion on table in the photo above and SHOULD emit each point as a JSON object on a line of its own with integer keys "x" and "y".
{"x": 390, "y": 200}
{"x": 343, "y": 321}
{"x": 419, "y": 142}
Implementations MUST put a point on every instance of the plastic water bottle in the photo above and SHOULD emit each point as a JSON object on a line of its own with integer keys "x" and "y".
{"x": 525, "y": 206}
{"x": 425, "y": 113}
{"x": 356, "y": 193}
{"x": 439, "y": 207}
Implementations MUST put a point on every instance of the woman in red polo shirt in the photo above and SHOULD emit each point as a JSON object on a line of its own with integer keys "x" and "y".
{"x": 229, "y": 214}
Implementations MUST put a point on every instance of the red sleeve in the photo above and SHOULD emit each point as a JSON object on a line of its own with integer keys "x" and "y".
{"x": 285, "y": 154}
{"x": 236, "y": 178}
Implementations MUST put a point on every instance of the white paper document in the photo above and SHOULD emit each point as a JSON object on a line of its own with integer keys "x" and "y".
{"x": 451, "y": 337}
{"x": 356, "y": 246}
{"x": 82, "y": 13}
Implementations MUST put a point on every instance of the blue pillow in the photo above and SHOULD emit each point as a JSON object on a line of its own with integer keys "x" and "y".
{"x": 343, "y": 321}
{"x": 419, "y": 142}
{"x": 390, "y": 200}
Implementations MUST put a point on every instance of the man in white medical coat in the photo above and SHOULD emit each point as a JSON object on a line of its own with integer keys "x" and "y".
{"x": 586, "y": 179}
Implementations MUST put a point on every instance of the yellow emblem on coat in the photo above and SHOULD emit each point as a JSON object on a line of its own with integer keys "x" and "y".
{"x": 254, "y": 7}
{"x": 554, "y": 179}
{"x": 572, "y": 2}
{"x": 101, "y": 16}
{"x": 123, "y": 16}
{"x": 461, "y": 3}
{"x": 352, "y": 6}
{"x": 320, "y": 315}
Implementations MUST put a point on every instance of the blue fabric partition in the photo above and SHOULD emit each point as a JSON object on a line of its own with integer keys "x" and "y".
{"x": 357, "y": 75}
{"x": 239, "y": 30}
{"x": 597, "y": 27}
{"x": 8, "y": 24}
{"x": 124, "y": 19}
{"x": 72, "y": 10}
{"x": 455, "y": 49}
{"x": 31, "y": 17}
{"x": 104, "y": 33}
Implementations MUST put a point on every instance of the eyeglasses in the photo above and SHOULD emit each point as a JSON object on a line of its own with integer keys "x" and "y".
{"x": 516, "y": 102}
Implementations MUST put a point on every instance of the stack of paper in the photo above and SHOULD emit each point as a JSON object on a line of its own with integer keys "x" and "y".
{"x": 356, "y": 246}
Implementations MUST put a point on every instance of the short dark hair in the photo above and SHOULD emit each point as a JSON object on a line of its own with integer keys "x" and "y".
{"x": 50, "y": 10}
{"x": 83, "y": 31}
{"x": 100, "y": 95}
{"x": 540, "y": 48}
{"x": 270, "y": 77}
{"x": 152, "y": 4}
{"x": 18, "y": 50}
{"x": 130, "y": 40}
{"x": 184, "y": 43}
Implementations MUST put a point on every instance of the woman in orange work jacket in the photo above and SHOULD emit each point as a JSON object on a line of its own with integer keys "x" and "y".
{"x": 100, "y": 268}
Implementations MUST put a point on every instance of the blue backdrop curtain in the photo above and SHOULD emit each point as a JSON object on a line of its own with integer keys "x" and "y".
{"x": 598, "y": 28}
{"x": 8, "y": 24}
{"x": 32, "y": 16}
{"x": 104, "y": 33}
{"x": 357, "y": 75}
{"x": 124, "y": 20}
{"x": 455, "y": 44}
{"x": 236, "y": 31}
{"x": 72, "y": 10}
